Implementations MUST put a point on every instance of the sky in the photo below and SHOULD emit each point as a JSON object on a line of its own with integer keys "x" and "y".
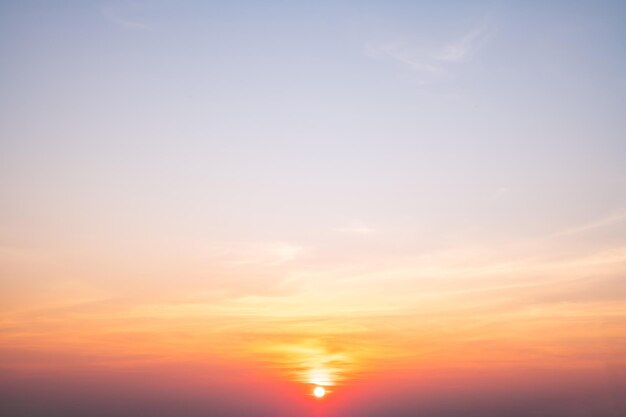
{"x": 210, "y": 208}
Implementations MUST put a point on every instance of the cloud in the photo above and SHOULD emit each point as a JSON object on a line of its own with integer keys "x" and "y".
{"x": 401, "y": 52}
{"x": 430, "y": 63}
{"x": 121, "y": 19}
{"x": 462, "y": 49}
{"x": 356, "y": 228}
{"x": 259, "y": 254}
{"x": 604, "y": 222}
{"x": 500, "y": 192}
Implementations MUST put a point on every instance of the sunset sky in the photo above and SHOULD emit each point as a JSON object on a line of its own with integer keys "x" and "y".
{"x": 210, "y": 208}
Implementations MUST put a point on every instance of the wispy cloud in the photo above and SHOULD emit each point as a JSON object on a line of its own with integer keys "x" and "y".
{"x": 604, "y": 222}
{"x": 401, "y": 51}
{"x": 356, "y": 228}
{"x": 430, "y": 63}
{"x": 462, "y": 49}
{"x": 121, "y": 19}
{"x": 500, "y": 192}
{"x": 256, "y": 254}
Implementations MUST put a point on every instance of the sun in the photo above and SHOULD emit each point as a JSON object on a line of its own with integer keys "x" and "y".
{"x": 319, "y": 392}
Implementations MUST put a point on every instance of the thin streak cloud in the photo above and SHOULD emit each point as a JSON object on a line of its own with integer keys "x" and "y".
{"x": 124, "y": 21}
{"x": 604, "y": 222}
{"x": 356, "y": 228}
{"x": 430, "y": 63}
{"x": 462, "y": 49}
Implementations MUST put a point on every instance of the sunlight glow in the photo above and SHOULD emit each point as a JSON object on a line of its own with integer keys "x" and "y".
{"x": 319, "y": 377}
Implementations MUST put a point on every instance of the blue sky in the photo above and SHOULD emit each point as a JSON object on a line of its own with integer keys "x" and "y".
{"x": 331, "y": 96}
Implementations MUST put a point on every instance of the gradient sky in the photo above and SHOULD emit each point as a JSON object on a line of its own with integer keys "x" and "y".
{"x": 209, "y": 208}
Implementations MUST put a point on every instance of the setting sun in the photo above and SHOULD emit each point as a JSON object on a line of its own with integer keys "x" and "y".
{"x": 319, "y": 392}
